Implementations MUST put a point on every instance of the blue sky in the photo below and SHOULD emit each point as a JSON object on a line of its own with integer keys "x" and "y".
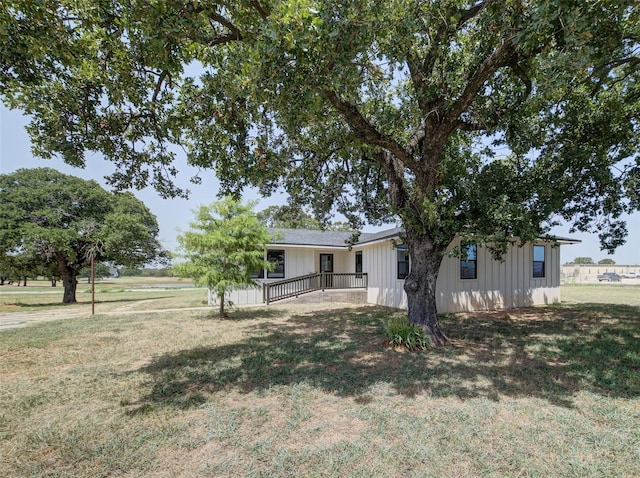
{"x": 174, "y": 215}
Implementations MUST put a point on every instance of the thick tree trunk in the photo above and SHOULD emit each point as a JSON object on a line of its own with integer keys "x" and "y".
{"x": 69, "y": 283}
{"x": 420, "y": 286}
{"x": 69, "y": 280}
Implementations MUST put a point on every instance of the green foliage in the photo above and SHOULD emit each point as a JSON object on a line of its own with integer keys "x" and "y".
{"x": 101, "y": 270}
{"x": 606, "y": 261}
{"x": 474, "y": 118}
{"x": 57, "y": 221}
{"x": 292, "y": 216}
{"x": 289, "y": 216}
{"x": 224, "y": 247}
{"x": 401, "y": 333}
{"x": 582, "y": 260}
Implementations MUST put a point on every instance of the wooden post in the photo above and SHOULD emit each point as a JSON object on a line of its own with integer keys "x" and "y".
{"x": 93, "y": 285}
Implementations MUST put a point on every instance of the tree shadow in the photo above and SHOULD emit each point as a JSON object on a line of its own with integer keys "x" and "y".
{"x": 241, "y": 314}
{"x": 549, "y": 353}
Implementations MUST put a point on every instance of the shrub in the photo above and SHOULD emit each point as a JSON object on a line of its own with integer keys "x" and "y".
{"x": 401, "y": 333}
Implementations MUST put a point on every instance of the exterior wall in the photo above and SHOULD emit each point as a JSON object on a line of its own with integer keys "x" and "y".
{"x": 506, "y": 284}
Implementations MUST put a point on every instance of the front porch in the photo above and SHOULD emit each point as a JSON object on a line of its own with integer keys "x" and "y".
{"x": 321, "y": 281}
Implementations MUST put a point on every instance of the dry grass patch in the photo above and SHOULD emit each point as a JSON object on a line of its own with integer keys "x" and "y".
{"x": 312, "y": 390}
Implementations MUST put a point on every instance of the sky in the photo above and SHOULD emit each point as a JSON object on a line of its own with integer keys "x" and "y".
{"x": 174, "y": 215}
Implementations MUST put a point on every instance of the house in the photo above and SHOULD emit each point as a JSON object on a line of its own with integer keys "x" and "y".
{"x": 307, "y": 260}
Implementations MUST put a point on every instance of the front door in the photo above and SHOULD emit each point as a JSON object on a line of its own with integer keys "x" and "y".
{"x": 326, "y": 265}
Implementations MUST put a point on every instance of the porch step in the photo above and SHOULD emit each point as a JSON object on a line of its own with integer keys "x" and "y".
{"x": 345, "y": 296}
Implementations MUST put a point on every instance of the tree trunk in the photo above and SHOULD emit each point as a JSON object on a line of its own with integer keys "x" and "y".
{"x": 69, "y": 283}
{"x": 69, "y": 280}
{"x": 420, "y": 286}
{"x": 221, "y": 299}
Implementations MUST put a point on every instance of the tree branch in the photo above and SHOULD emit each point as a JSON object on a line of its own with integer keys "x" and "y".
{"x": 161, "y": 79}
{"x": 260, "y": 9}
{"x": 226, "y": 23}
{"x": 365, "y": 130}
{"x": 501, "y": 56}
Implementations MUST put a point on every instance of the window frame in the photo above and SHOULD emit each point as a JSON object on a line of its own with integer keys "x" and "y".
{"x": 464, "y": 259}
{"x": 543, "y": 273}
{"x": 402, "y": 248}
{"x": 275, "y": 274}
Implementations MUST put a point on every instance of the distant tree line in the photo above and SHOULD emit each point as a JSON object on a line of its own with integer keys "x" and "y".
{"x": 589, "y": 260}
{"x": 146, "y": 272}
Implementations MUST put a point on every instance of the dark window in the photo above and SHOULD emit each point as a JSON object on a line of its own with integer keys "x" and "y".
{"x": 257, "y": 275}
{"x": 469, "y": 261}
{"x": 538, "y": 261}
{"x": 403, "y": 261}
{"x": 277, "y": 259}
{"x": 358, "y": 262}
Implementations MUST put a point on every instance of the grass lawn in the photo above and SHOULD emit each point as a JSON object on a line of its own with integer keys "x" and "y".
{"x": 310, "y": 390}
{"x": 125, "y": 293}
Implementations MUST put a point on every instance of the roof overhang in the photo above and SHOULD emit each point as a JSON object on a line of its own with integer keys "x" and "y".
{"x": 560, "y": 240}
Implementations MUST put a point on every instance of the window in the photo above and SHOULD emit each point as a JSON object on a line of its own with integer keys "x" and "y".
{"x": 538, "y": 261}
{"x": 277, "y": 259}
{"x": 469, "y": 261}
{"x": 403, "y": 261}
{"x": 257, "y": 275}
{"x": 358, "y": 262}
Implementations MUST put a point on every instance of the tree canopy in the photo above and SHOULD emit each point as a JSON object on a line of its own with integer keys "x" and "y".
{"x": 224, "y": 248}
{"x": 53, "y": 217}
{"x": 293, "y": 216}
{"x": 479, "y": 119}
{"x": 583, "y": 260}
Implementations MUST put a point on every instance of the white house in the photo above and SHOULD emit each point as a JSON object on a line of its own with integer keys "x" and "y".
{"x": 310, "y": 260}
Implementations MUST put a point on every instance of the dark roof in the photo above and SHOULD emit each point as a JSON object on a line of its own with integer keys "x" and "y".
{"x": 309, "y": 237}
{"x": 560, "y": 239}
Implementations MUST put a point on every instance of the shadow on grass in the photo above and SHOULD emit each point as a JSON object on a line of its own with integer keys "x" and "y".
{"x": 238, "y": 315}
{"x": 548, "y": 353}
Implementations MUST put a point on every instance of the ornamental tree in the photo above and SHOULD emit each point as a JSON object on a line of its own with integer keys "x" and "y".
{"x": 487, "y": 120}
{"x": 65, "y": 219}
{"x": 225, "y": 246}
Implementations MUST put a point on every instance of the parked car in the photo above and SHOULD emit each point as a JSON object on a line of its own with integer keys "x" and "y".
{"x": 630, "y": 275}
{"x": 609, "y": 277}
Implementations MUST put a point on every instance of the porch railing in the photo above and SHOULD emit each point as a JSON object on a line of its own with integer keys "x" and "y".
{"x": 296, "y": 286}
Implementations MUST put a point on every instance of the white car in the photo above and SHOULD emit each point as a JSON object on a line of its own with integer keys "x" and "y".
{"x": 630, "y": 275}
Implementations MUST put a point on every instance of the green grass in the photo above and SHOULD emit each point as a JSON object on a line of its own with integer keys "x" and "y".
{"x": 312, "y": 391}
{"x": 624, "y": 294}
{"x": 128, "y": 293}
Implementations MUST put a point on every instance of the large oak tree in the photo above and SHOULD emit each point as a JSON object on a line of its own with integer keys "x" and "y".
{"x": 67, "y": 220}
{"x": 484, "y": 119}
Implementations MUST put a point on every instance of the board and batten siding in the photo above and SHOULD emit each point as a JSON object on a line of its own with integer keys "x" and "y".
{"x": 499, "y": 284}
